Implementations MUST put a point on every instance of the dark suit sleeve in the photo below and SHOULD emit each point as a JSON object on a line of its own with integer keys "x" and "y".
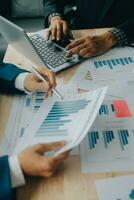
{"x": 6, "y": 192}
{"x": 51, "y": 6}
{"x": 128, "y": 28}
{"x": 8, "y": 73}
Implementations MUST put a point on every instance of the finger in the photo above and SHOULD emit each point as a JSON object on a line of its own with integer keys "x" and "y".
{"x": 59, "y": 31}
{"x": 41, "y": 148}
{"x": 84, "y": 52}
{"x": 75, "y": 44}
{"x": 48, "y": 93}
{"x": 41, "y": 86}
{"x": 65, "y": 29}
{"x": 60, "y": 158}
{"x": 76, "y": 49}
{"x": 51, "y": 78}
{"x": 54, "y": 32}
{"x": 49, "y": 33}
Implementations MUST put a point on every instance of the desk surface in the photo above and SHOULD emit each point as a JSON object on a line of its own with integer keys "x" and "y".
{"x": 69, "y": 183}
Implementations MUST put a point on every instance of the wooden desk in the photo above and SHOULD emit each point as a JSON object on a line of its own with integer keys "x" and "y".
{"x": 69, "y": 183}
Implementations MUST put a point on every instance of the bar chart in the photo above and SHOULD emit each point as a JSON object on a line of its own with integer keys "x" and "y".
{"x": 113, "y": 63}
{"x": 123, "y": 137}
{"x": 108, "y": 137}
{"x": 34, "y": 101}
{"x": 93, "y": 138}
{"x": 60, "y": 117}
{"x": 105, "y": 109}
{"x": 39, "y": 98}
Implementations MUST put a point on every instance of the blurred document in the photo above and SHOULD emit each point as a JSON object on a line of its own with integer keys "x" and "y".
{"x": 69, "y": 119}
{"x": 119, "y": 188}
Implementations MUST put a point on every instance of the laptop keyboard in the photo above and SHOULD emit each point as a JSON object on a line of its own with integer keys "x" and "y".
{"x": 48, "y": 51}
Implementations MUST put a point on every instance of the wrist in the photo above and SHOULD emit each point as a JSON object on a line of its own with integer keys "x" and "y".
{"x": 55, "y": 18}
{"x": 111, "y": 39}
{"x": 17, "y": 176}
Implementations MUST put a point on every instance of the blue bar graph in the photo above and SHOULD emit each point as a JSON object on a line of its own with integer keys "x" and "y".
{"x": 38, "y": 100}
{"x": 93, "y": 137}
{"x": 108, "y": 137}
{"x": 106, "y": 109}
{"x": 28, "y": 102}
{"x": 123, "y": 138}
{"x": 60, "y": 117}
{"x": 39, "y": 97}
{"x": 113, "y": 63}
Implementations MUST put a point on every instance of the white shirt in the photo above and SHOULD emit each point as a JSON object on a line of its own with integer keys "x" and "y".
{"x": 17, "y": 176}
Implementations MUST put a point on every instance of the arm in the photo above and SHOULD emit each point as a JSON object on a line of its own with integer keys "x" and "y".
{"x": 6, "y": 191}
{"x": 53, "y": 6}
{"x": 128, "y": 29}
{"x": 15, "y": 80}
{"x": 55, "y": 19}
{"x": 8, "y": 73}
{"x": 31, "y": 162}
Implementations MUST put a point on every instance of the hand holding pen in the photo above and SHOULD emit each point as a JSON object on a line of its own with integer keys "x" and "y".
{"x": 33, "y": 83}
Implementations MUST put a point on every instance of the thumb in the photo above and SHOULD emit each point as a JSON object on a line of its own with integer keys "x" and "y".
{"x": 41, "y": 148}
{"x": 58, "y": 159}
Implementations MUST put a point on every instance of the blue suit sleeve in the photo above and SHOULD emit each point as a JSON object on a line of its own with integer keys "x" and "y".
{"x": 6, "y": 192}
{"x": 8, "y": 73}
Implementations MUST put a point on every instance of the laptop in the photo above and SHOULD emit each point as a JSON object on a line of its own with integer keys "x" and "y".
{"x": 36, "y": 48}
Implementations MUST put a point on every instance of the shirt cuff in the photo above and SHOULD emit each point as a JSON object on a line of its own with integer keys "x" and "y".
{"x": 121, "y": 37}
{"x": 19, "y": 82}
{"x": 54, "y": 14}
{"x": 17, "y": 177}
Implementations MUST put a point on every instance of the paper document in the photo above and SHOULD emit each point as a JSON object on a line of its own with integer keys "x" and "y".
{"x": 23, "y": 110}
{"x": 69, "y": 119}
{"x": 109, "y": 145}
{"x": 115, "y": 65}
{"x": 119, "y": 188}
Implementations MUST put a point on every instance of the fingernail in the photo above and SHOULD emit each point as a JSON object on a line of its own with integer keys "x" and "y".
{"x": 67, "y": 54}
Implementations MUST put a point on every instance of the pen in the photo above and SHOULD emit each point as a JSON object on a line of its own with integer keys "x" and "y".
{"x": 36, "y": 73}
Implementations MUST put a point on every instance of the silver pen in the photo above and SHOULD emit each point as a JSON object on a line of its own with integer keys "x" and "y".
{"x": 36, "y": 73}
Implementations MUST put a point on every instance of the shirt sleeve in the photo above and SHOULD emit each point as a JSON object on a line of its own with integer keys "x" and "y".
{"x": 17, "y": 176}
{"x": 121, "y": 37}
{"x": 19, "y": 82}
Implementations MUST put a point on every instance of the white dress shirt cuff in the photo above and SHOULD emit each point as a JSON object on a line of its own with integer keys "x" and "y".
{"x": 17, "y": 177}
{"x": 19, "y": 82}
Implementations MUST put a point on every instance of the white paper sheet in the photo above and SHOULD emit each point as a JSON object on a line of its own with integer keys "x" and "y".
{"x": 22, "y": 112}
{"x": 119, "y": 188}
{"x": 110, "y": 141}
{"x": 68, "y": 119}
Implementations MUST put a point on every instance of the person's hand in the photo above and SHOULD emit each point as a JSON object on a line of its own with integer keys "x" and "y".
{"x": 32, "y": 83}
{"x": 34, "y": 163}
{"x": 90, "y": 46}
{"x": 58, "y": 29}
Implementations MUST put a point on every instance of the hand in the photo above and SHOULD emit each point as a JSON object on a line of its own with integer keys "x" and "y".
{"x": 32, "y": 83}
{"x": 58, "y": 29}
{"x": 92, "y": 46}
{"x": 34, "y": 163}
